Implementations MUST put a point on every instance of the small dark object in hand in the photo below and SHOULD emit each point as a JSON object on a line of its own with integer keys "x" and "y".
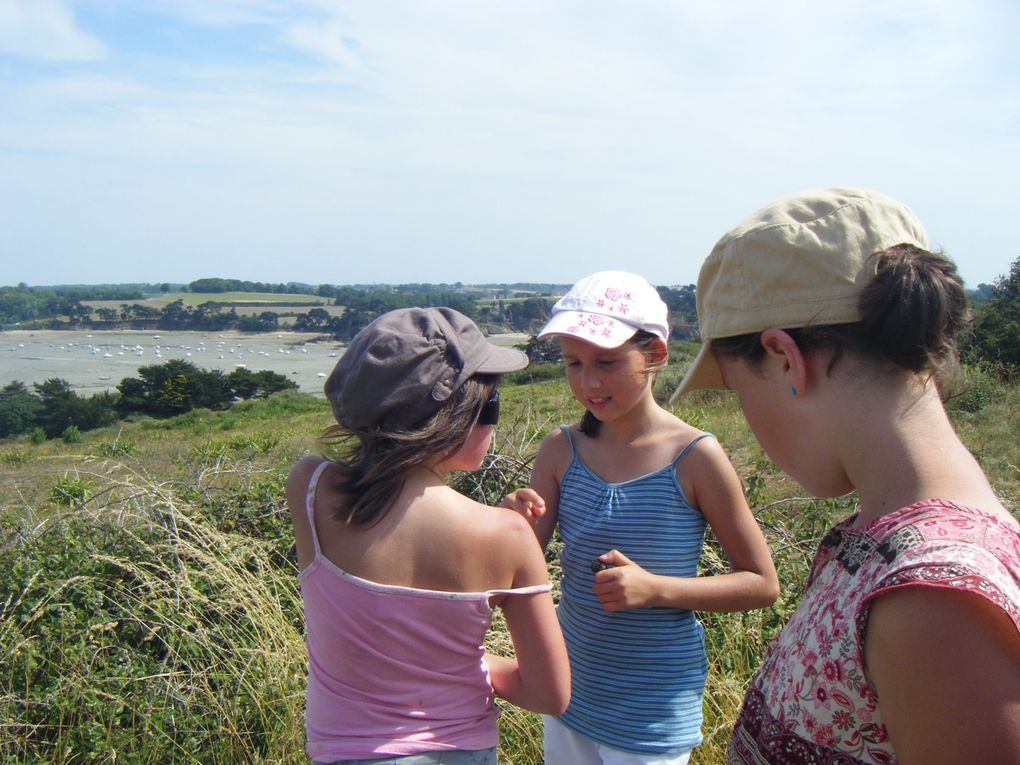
{"x": 597, "y": 565}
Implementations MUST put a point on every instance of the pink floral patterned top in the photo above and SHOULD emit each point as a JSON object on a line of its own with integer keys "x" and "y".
{"x": 810, "y": 701}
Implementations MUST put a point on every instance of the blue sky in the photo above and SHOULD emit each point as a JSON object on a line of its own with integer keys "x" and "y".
{"x": 329, "y": 141}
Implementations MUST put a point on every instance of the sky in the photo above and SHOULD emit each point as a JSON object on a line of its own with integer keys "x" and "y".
{"x": 486, "y": 141}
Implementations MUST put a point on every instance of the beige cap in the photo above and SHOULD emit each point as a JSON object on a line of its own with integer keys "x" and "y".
{"x": 799, "y": 261}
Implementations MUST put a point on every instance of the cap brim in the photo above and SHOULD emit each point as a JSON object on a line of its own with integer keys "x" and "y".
{"x": 702, "y": 374}
{"x": 607, "y": 333}
{"x": 502, "y": 361}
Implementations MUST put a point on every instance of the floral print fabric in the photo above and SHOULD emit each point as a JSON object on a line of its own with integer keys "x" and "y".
{"x": 810, "y": 701}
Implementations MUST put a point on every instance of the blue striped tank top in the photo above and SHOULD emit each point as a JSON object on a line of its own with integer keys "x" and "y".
{"x": 638, "y": 675}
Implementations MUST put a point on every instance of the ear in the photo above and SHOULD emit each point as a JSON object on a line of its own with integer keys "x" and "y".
{"x": 657, "y": 353}
{"x": 783, "y": 351}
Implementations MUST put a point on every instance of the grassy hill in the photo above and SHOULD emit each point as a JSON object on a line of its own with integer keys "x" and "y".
{"x": 149, "y": 609}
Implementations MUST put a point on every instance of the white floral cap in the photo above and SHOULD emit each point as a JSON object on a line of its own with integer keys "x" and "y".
{"x": 607, "y": 308}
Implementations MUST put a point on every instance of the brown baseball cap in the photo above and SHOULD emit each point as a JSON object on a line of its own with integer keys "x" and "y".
{"x": 799, "y": 261}
{"x": 399, "y": 369}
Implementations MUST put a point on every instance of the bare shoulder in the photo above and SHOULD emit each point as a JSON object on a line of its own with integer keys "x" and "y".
{"x": 301, "y": 473}
{"x": 706, "y": 452}
{"x": 499, "y": 526}
{"x": 911, "y": 616}
{"x": 706, "y": 472}
{"x": 930, "y": 650}
{"x": 555, "y": 451}
{"x": 299, "y": 479}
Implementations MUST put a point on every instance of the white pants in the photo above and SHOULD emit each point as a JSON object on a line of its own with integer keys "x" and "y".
{"x": 565, "y": 747}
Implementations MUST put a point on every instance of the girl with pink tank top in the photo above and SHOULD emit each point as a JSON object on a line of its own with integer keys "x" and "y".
{"x": 400, "y": 573}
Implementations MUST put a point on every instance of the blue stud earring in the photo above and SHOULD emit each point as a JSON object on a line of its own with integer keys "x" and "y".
{"x": 793, "y": 391}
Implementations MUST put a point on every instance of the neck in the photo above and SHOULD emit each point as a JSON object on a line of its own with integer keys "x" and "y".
{"x": 903, "y": 449}
{"x": 636, "y": 423}
{"x": 430, "y": 474}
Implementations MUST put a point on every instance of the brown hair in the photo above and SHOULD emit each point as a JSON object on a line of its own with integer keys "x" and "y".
{"x": 912, "y": 311}
{"x": 590, "y": 424}
{"x": 374, "y": 463}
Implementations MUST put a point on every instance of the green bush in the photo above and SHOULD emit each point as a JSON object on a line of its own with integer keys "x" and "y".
{"x": 13, "y": 458}
{"x": 70, "y": 491}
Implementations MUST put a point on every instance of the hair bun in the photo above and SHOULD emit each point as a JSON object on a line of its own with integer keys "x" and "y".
{"x": 914, "y": 308}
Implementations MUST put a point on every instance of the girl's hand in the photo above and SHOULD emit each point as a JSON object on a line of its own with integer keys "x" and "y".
{"x": 625, "y": 585}
{"x": 525, "y": 502}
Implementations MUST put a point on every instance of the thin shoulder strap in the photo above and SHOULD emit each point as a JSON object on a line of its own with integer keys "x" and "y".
{"x": 693, "y": 441}
{"x": 570, "y": 440}
{"x": 313, "y": 483}
{"x": 530, "y": 590}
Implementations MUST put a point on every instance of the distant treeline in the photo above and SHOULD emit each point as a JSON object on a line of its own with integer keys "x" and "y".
{"x": 516, "y": 308}
{"x": 24, "y": 303}
{"x": 51, "y": 408}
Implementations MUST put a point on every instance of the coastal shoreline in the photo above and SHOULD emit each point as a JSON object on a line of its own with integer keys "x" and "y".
{"x": 94, "y": 361}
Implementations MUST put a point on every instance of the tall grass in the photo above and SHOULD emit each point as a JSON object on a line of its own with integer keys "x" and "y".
{"x": 137, "y": 626}
{"x": 149, "y": 607}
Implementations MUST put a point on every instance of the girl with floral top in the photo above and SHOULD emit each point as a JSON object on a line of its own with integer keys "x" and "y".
{"x": 836, "y": 325}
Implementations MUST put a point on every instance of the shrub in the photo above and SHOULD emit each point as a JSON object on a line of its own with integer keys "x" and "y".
{"x": 14, "y": 458}
{"x": 18, "y": 409}
{"x": 70, "y": 491}
{"x": 974, "y": 388}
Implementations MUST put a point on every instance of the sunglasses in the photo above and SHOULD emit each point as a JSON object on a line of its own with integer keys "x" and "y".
{"x": 490, "y": 411}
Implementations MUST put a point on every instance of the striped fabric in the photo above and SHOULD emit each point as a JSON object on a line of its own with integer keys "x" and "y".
{"x": 637, "y": 675}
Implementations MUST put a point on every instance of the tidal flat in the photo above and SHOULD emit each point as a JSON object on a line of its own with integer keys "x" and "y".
{"x": 94, "y": 361}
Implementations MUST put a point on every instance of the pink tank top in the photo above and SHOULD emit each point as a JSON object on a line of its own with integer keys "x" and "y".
{"x": 393, "y": 670}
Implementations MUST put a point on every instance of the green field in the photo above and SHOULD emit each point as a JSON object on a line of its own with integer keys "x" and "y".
{"x": 149, "y": 610}
{"x": 264, "y": 299}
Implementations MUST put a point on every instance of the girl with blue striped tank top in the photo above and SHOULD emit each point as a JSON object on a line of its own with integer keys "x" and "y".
{"x": 632, "y": 489}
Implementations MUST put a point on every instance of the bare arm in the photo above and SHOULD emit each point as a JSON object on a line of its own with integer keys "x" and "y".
{"x": 752, "y": 582}
{"x": 946, "y": 668}
{"x": 539, "y": 502}
{"x": 539, "y": 677}
{"x": 297, "y": 487}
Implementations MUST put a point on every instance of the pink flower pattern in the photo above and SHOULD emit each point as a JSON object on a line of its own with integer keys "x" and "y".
{"x": 616, "y": 301}
{"x": 810, "y": 701}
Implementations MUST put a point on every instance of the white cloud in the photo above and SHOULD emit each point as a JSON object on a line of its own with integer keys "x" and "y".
{"x": 45, "y": 29}
{"x": 542, "y": 138}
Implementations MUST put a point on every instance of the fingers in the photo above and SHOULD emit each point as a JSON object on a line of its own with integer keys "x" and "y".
{"x": 610, "y": 559}
{"x": 618, "y": 582}
{"x": 526, "y": 502}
